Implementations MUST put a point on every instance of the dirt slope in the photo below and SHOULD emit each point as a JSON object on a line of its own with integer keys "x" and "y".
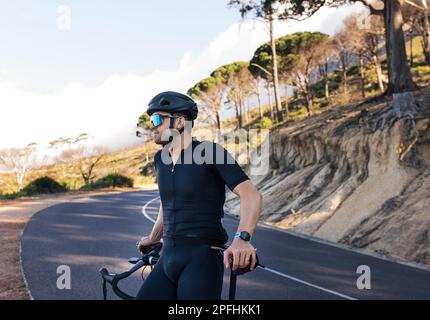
{"x": 350, "y": 176}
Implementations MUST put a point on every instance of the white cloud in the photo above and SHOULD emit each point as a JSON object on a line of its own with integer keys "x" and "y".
{"x": 110, "y": 111}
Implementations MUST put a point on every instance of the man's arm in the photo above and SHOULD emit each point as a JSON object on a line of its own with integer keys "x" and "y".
{"x": 157, "y": 229}
{"x": 250, "y": 205}
{"x": 250, "y": 209}
{"x": 156, "y": 233}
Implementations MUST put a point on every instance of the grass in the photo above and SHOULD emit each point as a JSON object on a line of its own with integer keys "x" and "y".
{"x": 417, "y": 49}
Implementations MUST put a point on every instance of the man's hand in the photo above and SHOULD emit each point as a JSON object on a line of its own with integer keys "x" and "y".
{"x": 144, "y": 242}
{"x": 242, "y": 252}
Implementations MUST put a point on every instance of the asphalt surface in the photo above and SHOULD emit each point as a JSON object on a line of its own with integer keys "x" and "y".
{"x": 86, "y": 234}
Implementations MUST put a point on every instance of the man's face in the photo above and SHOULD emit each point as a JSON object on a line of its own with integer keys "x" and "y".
{"x": 162, "y": 130}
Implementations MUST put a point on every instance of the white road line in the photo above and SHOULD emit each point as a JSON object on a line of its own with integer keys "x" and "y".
{"x": 266, "y": 268}
{"x": 308, "y": 283}
{"x": 144, "y": 209}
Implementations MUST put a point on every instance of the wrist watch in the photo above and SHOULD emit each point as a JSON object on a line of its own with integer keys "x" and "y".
{"x": 244, "y": 235}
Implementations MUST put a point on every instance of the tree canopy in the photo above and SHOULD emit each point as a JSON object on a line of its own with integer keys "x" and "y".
{"x": 289, "y": 48}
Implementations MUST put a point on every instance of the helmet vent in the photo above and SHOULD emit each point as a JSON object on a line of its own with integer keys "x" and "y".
{"x": 164, "y": 102}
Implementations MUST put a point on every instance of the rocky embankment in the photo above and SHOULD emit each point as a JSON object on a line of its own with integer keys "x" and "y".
{"x": 354, "y": 175}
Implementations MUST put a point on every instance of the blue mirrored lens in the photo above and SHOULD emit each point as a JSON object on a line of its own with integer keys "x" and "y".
{"x": 156, "y": 120}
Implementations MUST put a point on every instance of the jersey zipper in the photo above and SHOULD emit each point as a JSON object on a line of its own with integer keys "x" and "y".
{"x": 174, "y": 199}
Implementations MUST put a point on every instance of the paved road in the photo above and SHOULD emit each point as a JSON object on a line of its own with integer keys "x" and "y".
{"x": 102, "y": 230}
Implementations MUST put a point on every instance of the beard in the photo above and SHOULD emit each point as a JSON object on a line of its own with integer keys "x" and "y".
{"x": 163, "y": 138}
{"x": 159, "y": 141}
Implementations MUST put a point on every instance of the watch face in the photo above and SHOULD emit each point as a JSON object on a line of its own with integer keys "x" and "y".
{"x": 245, "y": 235}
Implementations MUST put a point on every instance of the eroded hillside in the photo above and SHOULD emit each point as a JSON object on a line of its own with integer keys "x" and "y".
{"x": 356, "y": 176}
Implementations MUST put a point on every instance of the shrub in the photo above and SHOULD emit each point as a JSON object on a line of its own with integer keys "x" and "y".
{"x": 112, "y": 180}
{"x": 302, "y": 111}
{"x": 265, "y": 123}
{"x": 296, "y": 104}
{"x": 336, "y": 76}
{"x": 422, "y": 70}
{"x": 353, "y": 71}
{"x": 148, "y": 170}
{"x": 324, "y": 103}
{"x": 42, "y": 185}
{"x": 418, "y": 64}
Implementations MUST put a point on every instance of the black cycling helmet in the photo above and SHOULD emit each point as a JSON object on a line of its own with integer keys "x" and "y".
{"x": 173, "y": 102}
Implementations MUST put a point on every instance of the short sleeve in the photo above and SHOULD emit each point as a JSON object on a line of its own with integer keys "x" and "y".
{"x": 227, "y": 168}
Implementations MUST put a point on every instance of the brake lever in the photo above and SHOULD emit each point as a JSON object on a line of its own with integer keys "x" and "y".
{"x": 239, "y": 271}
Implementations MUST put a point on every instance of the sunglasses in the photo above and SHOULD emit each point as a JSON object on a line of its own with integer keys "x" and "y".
{"x": 157, "y": 119}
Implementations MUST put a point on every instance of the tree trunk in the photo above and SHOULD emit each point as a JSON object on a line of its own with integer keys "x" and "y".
{"x": 286, "y": 109}
{"x": 308, "y": 96}
{"x": 238, "y": 108}
{"x": 218, "y": 120}
{"x": 270, "y": 101}
{"x": 378, "y": 68}
{"x": 326, "y": 88}
{"x": 19, "y": 175}
{"x": 400, "y": 78}
{"x": 344, "y": 74}
{"x": 240, "y": 118}
{"x": 309, "y": 103}
{"x": 426, "y": 34}
{"x": 404, "y": 105}
{"x": 245, "y": 112}
{"x": 362, "y": 78}
{"x": 260, "y": 107}
{"x": 275, "y": 71}
{"x": 323, "y": 75}
{"x": 86, "y": 178}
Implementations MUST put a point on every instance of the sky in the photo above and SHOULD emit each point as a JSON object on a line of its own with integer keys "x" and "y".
{"x": 75, "y": 66}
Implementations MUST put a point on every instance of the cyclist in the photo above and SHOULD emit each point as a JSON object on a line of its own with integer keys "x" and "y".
{"x": 192, "y": 194}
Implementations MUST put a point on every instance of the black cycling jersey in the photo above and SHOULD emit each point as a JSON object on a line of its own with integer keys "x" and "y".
{"x": 192, "y": 191}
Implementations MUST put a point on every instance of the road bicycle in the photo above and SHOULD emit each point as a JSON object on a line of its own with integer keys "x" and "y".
{"x": 149, "y": 257}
